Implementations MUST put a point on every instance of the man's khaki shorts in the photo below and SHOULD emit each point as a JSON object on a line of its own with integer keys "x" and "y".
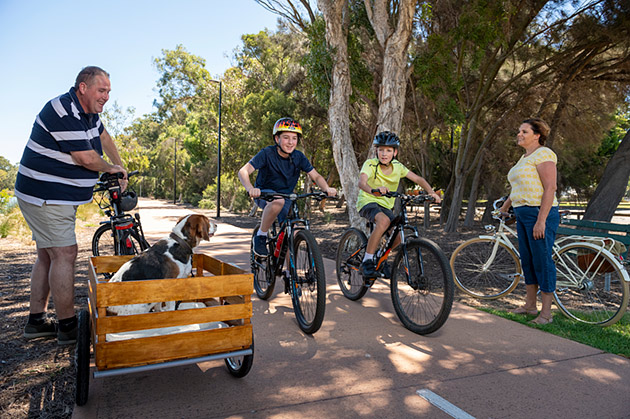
{"x": 51, "y": 225}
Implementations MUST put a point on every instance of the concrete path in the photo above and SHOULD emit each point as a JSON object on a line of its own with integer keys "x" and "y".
{"x": 364, "y": 363}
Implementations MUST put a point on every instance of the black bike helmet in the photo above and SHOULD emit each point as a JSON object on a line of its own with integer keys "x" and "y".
{"x": 386, "y": 138}
{"x": 128, "y": 200}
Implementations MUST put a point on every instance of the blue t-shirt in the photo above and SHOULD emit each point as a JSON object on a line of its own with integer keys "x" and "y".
{"x": 277, "y": 173}
{"x": 47, "y": 173}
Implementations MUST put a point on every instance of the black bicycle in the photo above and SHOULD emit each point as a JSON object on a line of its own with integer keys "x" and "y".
{"x": 304, "y": 276}
{"x": 421, "y": 279}
{"x": 122, "y": 234}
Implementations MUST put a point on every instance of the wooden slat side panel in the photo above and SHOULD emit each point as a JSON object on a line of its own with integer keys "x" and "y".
{"x": 108, "y": 264}
{"x": 158, "y": 349}
{"x": 149, "y": 291}
{"x": 218, "y": 267}
{"x": 118, "y": 324}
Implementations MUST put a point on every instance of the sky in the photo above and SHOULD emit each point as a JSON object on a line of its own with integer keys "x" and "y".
{"x": 44, "y": 44}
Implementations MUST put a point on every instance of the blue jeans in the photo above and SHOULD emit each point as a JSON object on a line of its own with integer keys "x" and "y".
{"x": 536, "y": 255}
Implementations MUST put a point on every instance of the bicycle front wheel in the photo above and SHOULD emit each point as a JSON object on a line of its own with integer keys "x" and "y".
{"x": 350, "y": 254}
{"x": 104, "y": 243}
{"x": 422, "y": 287}
{"x": 590, "y": 286}
{"x": 264, "y": 279}
{"x": 485, "y": 268}
{"x": 308, "y": 285}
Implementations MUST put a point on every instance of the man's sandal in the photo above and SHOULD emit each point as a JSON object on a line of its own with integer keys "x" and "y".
{"x": 523, "y": 310}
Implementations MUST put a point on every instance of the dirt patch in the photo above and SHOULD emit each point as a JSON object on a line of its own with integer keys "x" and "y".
{"x": 37, "y": 377}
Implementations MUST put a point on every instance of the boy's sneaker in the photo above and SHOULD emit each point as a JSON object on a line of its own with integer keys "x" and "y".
{"x": 48, "y": 328}
{"x": 368, "y": 269}
{"x": 67, "y": 338}
{"x": 260, "y": 246}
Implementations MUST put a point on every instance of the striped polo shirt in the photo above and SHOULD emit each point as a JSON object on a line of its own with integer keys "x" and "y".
{"x": 47, "y": 173}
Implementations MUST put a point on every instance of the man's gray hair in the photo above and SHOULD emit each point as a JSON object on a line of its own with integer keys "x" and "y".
{"x": 87, "y": 75}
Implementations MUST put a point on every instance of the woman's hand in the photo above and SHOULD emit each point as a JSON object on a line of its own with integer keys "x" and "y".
{"x": 539, "y": 230}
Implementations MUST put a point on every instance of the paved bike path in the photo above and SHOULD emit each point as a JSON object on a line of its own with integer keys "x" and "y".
{"x": 364, "y": 363}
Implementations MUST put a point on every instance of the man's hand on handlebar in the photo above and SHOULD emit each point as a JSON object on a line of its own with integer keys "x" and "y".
{"x": 124, "y": 180}
{"x": 331, "y": 192}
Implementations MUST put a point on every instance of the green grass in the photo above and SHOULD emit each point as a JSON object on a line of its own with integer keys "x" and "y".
{"x": 614, "y": 339}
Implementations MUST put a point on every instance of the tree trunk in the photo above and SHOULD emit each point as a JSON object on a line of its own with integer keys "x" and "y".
{"x": 395, "y": 43}
{"x": 336, "y": 18}
{"x": 612, "y": 185}
{"x": 471, "y": 211}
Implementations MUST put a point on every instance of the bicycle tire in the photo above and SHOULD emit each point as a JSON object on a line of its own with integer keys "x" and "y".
{"x": 475, "y": 277}
{"x": 104, "y": 244}
{"x": 264, "y": 279}
{"x": 350, "y": 254}
{"x": 308, "y": 285}
{"x": 82, "y": 358}
{"x": 590, "y": 285}
{"x": 424, "y": 301}
{"x": 239, "y": 366}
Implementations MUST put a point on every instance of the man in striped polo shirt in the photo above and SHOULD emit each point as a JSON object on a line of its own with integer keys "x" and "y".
{"x": 57, "y": 173}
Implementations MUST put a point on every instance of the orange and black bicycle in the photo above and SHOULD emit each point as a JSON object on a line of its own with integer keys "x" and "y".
{"x": 421, "y": 280}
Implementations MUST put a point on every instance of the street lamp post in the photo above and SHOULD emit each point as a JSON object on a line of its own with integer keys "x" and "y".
{"x": 174, "y": 171}
{"x": 219, "y": 153}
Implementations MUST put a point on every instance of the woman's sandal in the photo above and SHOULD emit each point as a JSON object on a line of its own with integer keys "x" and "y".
{"x": 524, "y": 310}
{"x": 542, "y": 320}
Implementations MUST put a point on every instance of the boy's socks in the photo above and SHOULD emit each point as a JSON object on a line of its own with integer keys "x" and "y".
{"x": 368, "y": 256}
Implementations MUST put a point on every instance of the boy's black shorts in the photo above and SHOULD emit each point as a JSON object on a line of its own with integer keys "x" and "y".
{"x": 370, "y": 210}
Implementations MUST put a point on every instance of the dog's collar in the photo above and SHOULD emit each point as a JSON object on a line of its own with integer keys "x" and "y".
{"x": 181, "y": 242}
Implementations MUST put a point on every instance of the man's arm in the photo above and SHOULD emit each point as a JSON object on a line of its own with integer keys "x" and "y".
{"x": 321, "y": 182}
{"x": 90, "y": 159}
{"x": 109, "y": 147}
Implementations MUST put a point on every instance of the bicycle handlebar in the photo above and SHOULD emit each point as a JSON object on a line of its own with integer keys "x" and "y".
{"x": 318, "y": 195}
{"x": 417, "y": 199}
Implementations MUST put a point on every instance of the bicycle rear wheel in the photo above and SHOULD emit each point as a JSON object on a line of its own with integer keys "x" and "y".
{"x": 350, "y": 254}
{"x": 104, "y": 244}
{"x": 481, "y": 272}
{"x": 422, "y": 291}
{"x": 590, "y": 286}
{"x": 264, "y": 279}
{"x": 308, "y": 284}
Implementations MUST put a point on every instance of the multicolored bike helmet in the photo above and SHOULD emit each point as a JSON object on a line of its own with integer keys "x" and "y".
{"x": 287, "y": 124}
{"x": 386, "y": 138}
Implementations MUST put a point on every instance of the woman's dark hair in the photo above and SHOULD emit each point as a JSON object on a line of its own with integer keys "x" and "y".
{"x": 539, "y": 127}
{"x": 87, "y": 75}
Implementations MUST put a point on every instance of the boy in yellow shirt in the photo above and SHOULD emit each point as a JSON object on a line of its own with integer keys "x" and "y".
{"x": 379, "y": 176}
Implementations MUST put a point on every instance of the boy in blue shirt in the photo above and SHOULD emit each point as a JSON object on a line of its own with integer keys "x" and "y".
{"x": 279, "y": 167}
{"x": 379, "y": 176}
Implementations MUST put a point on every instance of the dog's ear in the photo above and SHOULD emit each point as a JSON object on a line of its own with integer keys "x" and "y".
{"x": 203, "y": 228}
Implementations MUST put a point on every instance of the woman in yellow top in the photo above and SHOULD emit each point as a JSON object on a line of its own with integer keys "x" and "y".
{"x": 533, "y": 196}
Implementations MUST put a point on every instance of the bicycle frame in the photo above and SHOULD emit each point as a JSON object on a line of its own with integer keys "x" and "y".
{"x": 120, "y": 222}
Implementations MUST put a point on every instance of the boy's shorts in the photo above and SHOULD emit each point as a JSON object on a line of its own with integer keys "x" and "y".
{"x": 285, "y": 209}
{"x": 370, "y": 210}
{"x": 51, "y": 225}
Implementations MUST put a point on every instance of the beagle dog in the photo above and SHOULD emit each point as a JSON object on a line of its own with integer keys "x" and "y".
{"x": 170, "y": 257}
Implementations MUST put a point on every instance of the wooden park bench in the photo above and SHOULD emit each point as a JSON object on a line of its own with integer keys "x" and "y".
{"x": 619, "y": 232}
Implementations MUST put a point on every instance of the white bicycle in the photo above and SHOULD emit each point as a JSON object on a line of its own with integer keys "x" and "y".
{"x": 591, "y": 285}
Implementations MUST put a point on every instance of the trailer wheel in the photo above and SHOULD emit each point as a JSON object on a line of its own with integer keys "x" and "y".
{"x": 82, "y": 358}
